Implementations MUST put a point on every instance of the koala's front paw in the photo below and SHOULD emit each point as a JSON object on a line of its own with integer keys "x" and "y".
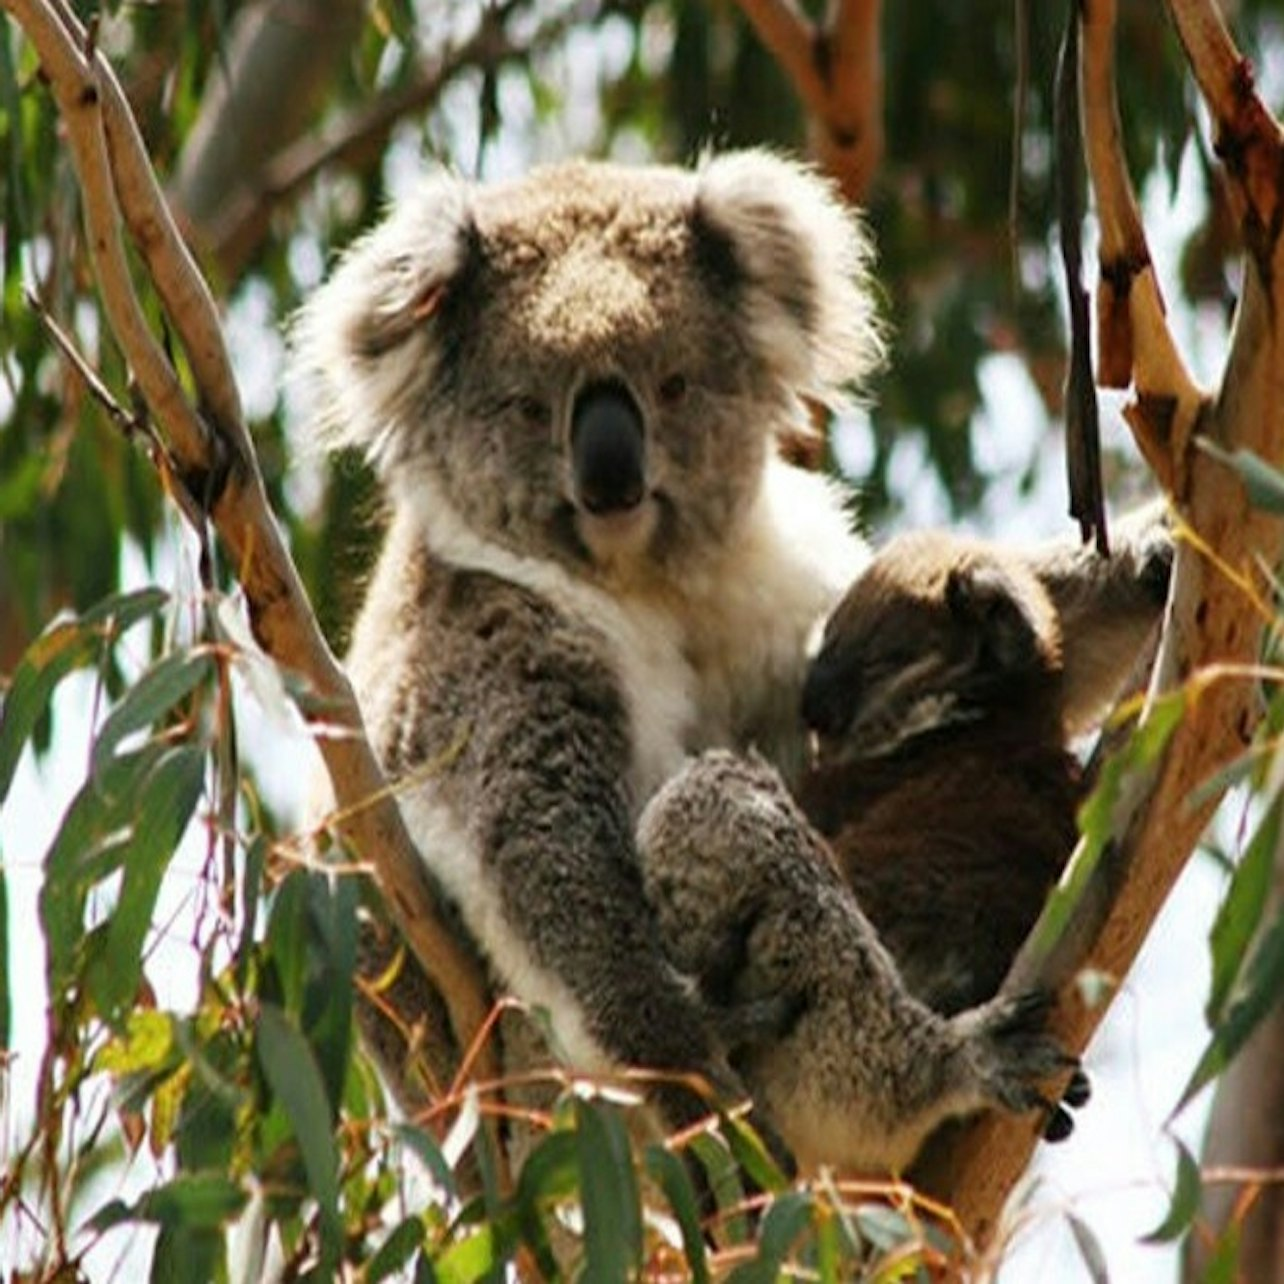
{"x": 1017, "y": 1054}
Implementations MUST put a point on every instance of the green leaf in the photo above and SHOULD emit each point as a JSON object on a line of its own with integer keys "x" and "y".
{"x": 1223, "y": 1265}
{"x": 167, "y": 798}
{"x": 396, "y": 1250}
{"x": 609, "y": 1192}
{"x": 1264, "y": 484}
{"x": 784, "y": 1222}
{"x": 751, "y": 1153}
{"x": 146, "y": 1044}
{"x": 65, "y": 645}
{"x": 885, "y": 1228}
{"x": 1260, "y": 992}
{"x": 1241, "y": 909}
{"x": 428, "y": 1152}
{"x": 1089, "y": 1249}
{"x": 184, "y": 1255}
{"x": 1098, "y": 815}
{"x": 170, "y": 680}
{"x": 192, "y": 1200}
{"x": 469, "y": 1259}
{"x": 671, "y": 1175}
{"x": 549, "y": 1176}
{"x": 1185, "y": 1201}
{"x": 90, "y": 844}
{"x": 292, "y": 1074}
{"x": 714, "y": 1156}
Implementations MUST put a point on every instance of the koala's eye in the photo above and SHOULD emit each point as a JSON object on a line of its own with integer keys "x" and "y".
{"x": 673, "y": 389}
{"x": 533, "y": 411}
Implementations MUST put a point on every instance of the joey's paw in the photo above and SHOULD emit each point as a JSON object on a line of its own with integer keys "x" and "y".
{"x": 1020, "y": 1054}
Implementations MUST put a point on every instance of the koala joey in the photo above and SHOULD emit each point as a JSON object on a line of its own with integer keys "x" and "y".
{"x": 942, "y": 779}
{"x": 573, "y": 386}
{"x": 752, "y": 907}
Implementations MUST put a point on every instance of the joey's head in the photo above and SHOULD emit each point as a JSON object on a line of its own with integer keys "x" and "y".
{"x": 940, "y": 633}
{"x": 591, "y": 363}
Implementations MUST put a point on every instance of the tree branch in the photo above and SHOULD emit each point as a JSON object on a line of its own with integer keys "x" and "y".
{"x": 118, "y": 176}
{"x": 1213, "y": 620}
{"x": 232, "y": 229}
{"x": 837, "y": 71}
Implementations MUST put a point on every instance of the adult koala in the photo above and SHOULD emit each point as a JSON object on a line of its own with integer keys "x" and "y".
{"x": 573, "y": 386}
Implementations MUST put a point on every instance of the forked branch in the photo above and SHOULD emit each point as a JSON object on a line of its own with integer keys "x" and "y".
{"x": 837, "y": 71}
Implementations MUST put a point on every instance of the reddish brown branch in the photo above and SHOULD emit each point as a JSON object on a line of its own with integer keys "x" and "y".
{"x": 837, "y": 72}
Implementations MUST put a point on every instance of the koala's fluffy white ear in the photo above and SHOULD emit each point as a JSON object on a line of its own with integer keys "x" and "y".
{"x": 364, "y": 346}
{"x": 804, "y": 260}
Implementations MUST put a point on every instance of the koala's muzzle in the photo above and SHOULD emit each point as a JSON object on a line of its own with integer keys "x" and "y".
{"x": 608, "y": 449}
{"x": 828, "y": 695}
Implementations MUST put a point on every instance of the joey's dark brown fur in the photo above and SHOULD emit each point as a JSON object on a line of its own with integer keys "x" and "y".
{"x": 942, "y": 777}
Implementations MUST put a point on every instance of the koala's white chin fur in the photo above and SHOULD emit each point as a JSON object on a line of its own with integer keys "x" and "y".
{"x": 616, "y": 539}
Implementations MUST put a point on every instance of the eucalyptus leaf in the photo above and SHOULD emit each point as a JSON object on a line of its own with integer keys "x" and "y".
{"x": 609, "y": 1192}
{"x": 292, "y": 1074}
{"x": 67, "y": 644}
{"x": 1184, "y": 1203}
{"x": 671, "y": 1175}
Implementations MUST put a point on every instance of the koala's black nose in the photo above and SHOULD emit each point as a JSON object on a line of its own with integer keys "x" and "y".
{"x": 608, "y": 448}
{"x": 828, "y": 696}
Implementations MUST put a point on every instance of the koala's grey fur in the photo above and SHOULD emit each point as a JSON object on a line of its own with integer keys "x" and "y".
{"x": 751, "y": 904}
{"x": 533, "y": 668}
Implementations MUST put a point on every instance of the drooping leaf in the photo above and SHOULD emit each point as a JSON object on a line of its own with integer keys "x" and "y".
{"x": 65, "y": 645}
{"x": 1098, "y": 815}
{"x": 608, "y": 1191}
{"x": 671, "y": 1175}
{"x": 184, "y": 1254}
{"x": 169, "y": 680}
{"x": 1260, "y": 991}
{"x": 549, "y": 1176}
{"x": 1089, "y": 1249}
{"x": 90, "y": 844}
{"x": 292, "y": 1074}
{"x": 396, "y": 1250}
{"x": 751, "y": 1153}
{"x": 428, "y": 1152}
{"x": 1241, "y": 910}
{"x": 1185, "y": 1201}
{"x": 170, "y": 793}
{"x": 783, "y": 1223}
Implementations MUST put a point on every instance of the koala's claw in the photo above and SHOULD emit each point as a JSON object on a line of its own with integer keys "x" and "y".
{"x": 1077, "y": 1094}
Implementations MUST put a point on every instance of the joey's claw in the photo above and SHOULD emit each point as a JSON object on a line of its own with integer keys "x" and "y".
{"x": 1059, "y": 1125}
{"x": 1078, "y": 1091}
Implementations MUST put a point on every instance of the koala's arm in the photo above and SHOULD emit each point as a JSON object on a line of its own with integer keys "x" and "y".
{"x": 1108, "y": 607}
{"x": 528, "y": 820}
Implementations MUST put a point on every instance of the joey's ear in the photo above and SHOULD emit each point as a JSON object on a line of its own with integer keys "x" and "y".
{"x": 364, "y": 344}
{"x": 781, "y": 236}
{"x": 1008, "y": 621}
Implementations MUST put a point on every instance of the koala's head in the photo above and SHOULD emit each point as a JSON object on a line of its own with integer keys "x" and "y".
{"x": 592, "y": 362}
{"x": 940, "y": 632}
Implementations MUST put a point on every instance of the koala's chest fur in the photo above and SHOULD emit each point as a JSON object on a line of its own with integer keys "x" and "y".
{"x": 712, "y": 658}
